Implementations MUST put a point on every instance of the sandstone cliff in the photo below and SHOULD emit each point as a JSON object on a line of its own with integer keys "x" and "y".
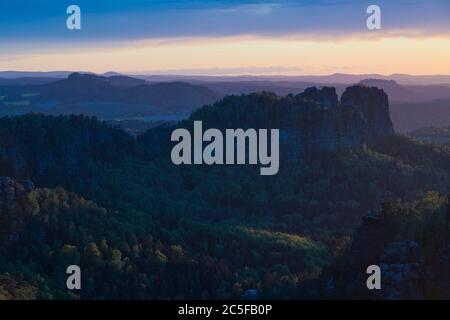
{"x": 311, "y": 121}
{"x": 408, "y": 268}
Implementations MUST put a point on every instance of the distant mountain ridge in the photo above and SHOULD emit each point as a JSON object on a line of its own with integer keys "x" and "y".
{"x": 91, "y": 88}
{"x": 410, "y": 93}
{"x": 325, "y": 79}
{"x": 26, "y": 81}
{"x": 113, "y": 96}
{"x": 414, "y": 115}
{"x": 87, "y": 87}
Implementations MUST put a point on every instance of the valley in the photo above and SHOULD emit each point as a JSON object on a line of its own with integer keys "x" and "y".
{"x": 141, "y": 101}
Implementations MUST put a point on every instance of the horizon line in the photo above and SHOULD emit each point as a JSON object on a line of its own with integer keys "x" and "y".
{"x": 167, "y": 73}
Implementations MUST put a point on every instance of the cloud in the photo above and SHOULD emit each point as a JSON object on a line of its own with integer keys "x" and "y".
{"x": 121, "y": 22}
{"x": 258, "y": 9}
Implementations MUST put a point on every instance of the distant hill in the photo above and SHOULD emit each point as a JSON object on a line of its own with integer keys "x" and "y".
{"x": 181, "y": 95}
{"x": 27, "y": 74}
{"x": 409, "y": 93}
{"x": 80, "y": 91}
{"x": 124, "y": 81}
{"x": 414, "y": 106}
{"x": 26, "y": 81}
{"x": 113, "y": 96}
{"x": 410, "y": 116}
{"x": 332, "y": 79}
{"x": 85, "y": 87}
{"x": 392, "y": 88}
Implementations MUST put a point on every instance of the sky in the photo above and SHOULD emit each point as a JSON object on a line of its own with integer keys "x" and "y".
{"x": 218, "y": 37}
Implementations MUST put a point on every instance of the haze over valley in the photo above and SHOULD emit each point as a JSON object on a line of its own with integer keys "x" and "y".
{"x": 415, "y": 101}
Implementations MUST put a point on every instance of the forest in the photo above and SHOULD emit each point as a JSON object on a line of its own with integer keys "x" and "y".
{"x": 75, "y": 190}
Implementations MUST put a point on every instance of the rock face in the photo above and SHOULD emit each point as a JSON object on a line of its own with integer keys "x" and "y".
{"x": 402, "y": 274}
{"x": 311, "y": 121}
{"x": 406, "y": 276}
{"x": 325, "y": 96}
{"x": 374, "y": 105}
{"x": 405, "y": 272}
{"x": 362, "y": 113}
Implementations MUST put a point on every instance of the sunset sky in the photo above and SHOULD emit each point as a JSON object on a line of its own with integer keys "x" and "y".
{"x": 226, "y": 37}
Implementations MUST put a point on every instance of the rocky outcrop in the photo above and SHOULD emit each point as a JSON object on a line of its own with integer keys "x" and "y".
{"x": 325, "y": 96}
{"x": 406, "y": 272}
{"x": 406, "y": 276}
{"x": 374, "y": 105}
{"x": 311, "y": 121}
{"x": 402, "y": 273}
{"x": 362, "y": 113}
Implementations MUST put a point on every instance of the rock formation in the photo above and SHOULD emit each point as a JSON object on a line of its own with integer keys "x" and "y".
{"x": 405, "y": 274}
{"x": 311, "y": 121}
{"x": 325, "y": 96}
{"x": 401, "y": 270}
{"x": 374, "y": 105}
